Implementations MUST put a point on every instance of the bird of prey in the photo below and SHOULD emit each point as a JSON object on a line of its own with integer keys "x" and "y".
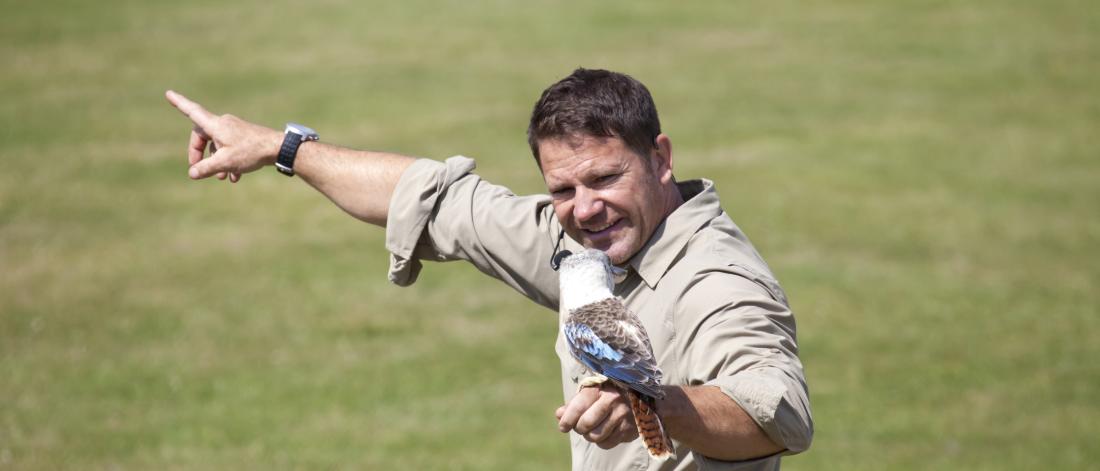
{"x": 608, "y": 339}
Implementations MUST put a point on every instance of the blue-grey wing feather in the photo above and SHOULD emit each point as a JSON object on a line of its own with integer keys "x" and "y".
{"x": 610, "y": 340}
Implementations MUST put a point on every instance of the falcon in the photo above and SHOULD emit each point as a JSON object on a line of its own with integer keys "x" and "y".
{"x": 609, "y": 340}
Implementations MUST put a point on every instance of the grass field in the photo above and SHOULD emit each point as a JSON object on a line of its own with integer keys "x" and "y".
{"x": 923, "y": 177}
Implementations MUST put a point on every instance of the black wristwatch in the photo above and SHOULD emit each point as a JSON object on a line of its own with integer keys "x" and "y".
{"x": 295, "y": 135}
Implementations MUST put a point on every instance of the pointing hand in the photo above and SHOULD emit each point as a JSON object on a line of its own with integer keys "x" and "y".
{"x": 236, "y": 146}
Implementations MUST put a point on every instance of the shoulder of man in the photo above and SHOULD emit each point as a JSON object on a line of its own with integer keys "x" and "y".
{"x": 721, "y": 249}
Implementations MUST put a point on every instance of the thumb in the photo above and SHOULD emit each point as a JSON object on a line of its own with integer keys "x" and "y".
{"x": 219, "y": 162}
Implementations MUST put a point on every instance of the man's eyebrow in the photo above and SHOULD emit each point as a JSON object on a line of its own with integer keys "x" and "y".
{"x": 604, "y": 170}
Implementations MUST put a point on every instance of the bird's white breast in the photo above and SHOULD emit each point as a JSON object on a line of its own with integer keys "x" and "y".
{"x": 583, "y": 286}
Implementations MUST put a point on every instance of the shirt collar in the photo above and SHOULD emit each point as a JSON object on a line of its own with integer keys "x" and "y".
{"x": 701, "y": 204}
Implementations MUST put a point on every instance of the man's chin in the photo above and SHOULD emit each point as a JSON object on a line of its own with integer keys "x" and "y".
{"x": 618, "y": 261}
{"x": 613, "y": 251}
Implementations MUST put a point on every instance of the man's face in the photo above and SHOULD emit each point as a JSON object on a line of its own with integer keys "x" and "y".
{"x": 606, "y": 196}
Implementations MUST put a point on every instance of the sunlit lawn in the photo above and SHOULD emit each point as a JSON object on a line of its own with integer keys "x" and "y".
{"x": 922, "y": 177}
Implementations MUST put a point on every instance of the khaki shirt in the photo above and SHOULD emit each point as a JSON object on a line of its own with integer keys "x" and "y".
{"x": 714, "y": 312}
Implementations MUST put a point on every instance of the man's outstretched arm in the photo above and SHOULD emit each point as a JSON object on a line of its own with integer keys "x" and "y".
{"x": 359, "y": 182}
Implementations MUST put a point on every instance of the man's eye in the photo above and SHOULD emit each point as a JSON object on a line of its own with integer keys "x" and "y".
{"x": 562, "y": 193}
{"x": 607, "y": 179}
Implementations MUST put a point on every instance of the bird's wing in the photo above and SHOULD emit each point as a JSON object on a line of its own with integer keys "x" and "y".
{"x": 608, "y": 339}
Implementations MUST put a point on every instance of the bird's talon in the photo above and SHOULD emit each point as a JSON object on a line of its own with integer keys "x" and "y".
{"x": 594, "y": 380}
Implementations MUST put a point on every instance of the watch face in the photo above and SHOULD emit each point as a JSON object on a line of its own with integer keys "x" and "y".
{"x": 308, "y": 134}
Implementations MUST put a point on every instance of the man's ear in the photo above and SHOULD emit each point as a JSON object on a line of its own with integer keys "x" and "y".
{"x": 663, "y": 162}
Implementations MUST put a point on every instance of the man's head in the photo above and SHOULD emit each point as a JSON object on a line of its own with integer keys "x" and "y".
{"x": 595, "y": 103}
{"x": 608, "y": 168}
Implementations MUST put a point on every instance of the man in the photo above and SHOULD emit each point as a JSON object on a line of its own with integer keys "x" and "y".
{"x": 720, "y": 326}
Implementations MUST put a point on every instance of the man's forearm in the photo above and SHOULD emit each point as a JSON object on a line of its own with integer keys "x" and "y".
{"x": 359, "y": 182}
{"x": 709, "y": 422}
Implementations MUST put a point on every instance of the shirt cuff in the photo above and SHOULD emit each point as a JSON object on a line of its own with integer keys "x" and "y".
{"x": 765, "y": 398}
{"x": 411, "y": 208}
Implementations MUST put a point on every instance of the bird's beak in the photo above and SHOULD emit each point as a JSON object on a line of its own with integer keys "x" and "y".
{"x": 618, "y": 274}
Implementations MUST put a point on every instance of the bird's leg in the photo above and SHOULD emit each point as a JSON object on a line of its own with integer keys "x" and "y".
{"x": 595, "y": 379}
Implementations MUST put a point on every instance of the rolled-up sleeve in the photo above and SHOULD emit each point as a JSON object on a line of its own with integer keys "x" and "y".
{"x": 440, "y": 211}
{"x": 738, "y": 334}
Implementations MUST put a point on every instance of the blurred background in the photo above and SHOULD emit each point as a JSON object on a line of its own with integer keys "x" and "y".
{"x": 922, "y": 177}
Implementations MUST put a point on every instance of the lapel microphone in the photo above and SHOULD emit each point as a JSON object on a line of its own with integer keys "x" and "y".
{"x": 555, "y": 260}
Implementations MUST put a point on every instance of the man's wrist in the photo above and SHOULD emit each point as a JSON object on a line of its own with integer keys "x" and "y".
{"x": 294, "y": 135}
{"x": 672, "y": 405}
{"x": 272, "y": 142}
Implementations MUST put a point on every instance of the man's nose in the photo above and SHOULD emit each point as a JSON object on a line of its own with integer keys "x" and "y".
{"x": 586, "y": 205}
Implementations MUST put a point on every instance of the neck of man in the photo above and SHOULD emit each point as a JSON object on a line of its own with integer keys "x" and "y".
{"x": 673, "y": 198}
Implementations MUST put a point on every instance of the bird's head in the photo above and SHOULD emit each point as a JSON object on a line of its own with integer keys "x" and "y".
{"x": 590, "y": 267}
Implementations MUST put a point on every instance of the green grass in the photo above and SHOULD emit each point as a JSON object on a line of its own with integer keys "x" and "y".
{"x": 921, "y": 175}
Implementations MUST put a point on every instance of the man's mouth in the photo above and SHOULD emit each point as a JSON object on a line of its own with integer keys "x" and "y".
{"x": 602, "y": 232}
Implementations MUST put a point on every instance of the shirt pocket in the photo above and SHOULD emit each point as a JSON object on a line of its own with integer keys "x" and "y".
{"x": 630, "y": 456}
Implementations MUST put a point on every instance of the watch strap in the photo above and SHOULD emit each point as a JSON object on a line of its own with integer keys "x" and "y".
{"x": 287, "y": 152}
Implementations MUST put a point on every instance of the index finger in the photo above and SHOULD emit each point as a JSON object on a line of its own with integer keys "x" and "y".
{"x": 192, "y": 110}
{"x": 596, "y": 415}
{"x": 576, "y": 407}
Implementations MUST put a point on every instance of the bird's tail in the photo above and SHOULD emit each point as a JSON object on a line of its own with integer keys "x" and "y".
{"x": 650, "y": 427}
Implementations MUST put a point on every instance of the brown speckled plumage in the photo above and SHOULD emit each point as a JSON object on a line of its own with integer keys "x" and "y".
{"x": 617, "y": 326}
{"x": 609, "y": 319}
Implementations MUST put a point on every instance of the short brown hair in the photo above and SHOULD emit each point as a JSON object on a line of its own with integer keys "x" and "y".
{"x": 596, "y": 103}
